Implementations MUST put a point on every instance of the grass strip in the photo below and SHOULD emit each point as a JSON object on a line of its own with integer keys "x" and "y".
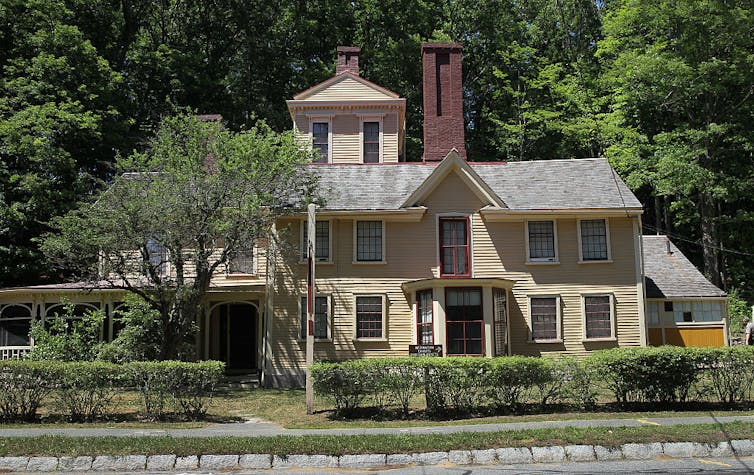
{"x": 364, "y": 444}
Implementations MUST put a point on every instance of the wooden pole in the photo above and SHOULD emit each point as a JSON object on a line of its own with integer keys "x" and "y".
{"x": 311, "y": 294}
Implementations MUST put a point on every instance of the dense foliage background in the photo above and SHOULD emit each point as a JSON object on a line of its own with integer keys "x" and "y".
{"x": 662, "y": 88}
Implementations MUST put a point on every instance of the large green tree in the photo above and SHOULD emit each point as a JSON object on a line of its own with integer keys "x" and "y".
{"x": 199, "y": 195}
{"x": 681, "y": 76}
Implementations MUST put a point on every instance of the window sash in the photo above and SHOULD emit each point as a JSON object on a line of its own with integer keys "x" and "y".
{"x": 371, "y": 142}
{"x": 321, "y": 141}
{"x": 454, "y": 246}
{"x": 321, "y": 308}
{"x": 500, "y": 321}
{"x": 369, "y": 241}
{"x": 593, "y": 240}
{"x": 544, "y": 318}
{"x": 241, "y": 262}
{"x": 464, "y": 321}
{"x": 424, "y": 318}
{"x": 598, "y": 314}
{"x": 321, "y": 241}
{"x": 541, "y": 240}
{"x": 369, "y": 317}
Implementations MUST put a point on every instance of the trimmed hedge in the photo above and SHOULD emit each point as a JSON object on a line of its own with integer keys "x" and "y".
{"x": 664, "y": 375}
{"x": 83, "y": 390}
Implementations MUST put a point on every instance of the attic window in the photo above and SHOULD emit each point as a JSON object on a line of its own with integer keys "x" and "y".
{"x": 321, "y": 141}
{"x": 371, "y": 144}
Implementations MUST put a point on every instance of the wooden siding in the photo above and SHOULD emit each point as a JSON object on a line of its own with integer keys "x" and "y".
{"x": 346, "y": 127}
{"x": 347, "y": 89}
{"x": 411, "y": 253}
{"x": 695, "y": 336}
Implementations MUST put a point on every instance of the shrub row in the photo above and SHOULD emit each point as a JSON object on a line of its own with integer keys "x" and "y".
{"x": 663, "y": 375}
{"x": 83, "y": 390}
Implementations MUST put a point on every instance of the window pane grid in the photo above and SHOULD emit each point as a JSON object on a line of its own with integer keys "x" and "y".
{"x": 369, "y": 241}
{"x": 368, "y": 317}
{"x": 464, "y": 325}
{"x": 544, "y": 318}
{"x": 321, "y": 141}
{"x": 371, "y": 144}
{"x": 598, "y": 322}
{"x": 424, "y": 317}
{"x": 321, "y": 241}
{"x": 594, "y": 240}
{"x": 320, "y": 318}
{"x": 241, "y": 262}
{"x": 454, "y": 246}
{"x": 541, "y": 239}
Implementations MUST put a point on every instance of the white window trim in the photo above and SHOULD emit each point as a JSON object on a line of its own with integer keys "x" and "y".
{"x": 609, "y": 259}
{"x": 167, "y": 271}
{"x": 613, "y": 326}
{"x": 384, "y": 318}
{"x": 355, "y": 243}
{"x": 542, "y": 260}
{"x": 329, "y": 318}
{"x": 558, "y": 318}
{"x": 303, "y": 245}
{"x": 470, "y": 217}
{"x": 379, "y": 118}
{"x": 254, "y": 263}
{"x": 321, "y": 119}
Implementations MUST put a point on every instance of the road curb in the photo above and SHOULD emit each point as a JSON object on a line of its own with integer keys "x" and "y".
{"x": 500, "y": 456}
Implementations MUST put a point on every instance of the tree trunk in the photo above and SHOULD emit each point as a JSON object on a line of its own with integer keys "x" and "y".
{"x": 710, "y": 242}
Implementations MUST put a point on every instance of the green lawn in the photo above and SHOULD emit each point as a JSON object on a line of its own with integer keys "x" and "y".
{"x": 337, "y": 445}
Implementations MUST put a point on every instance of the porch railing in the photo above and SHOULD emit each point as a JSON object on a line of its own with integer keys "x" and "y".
{"x": 13, "y": 352}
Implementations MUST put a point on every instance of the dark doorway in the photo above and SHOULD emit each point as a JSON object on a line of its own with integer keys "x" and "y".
{"x": 238, "y": 336}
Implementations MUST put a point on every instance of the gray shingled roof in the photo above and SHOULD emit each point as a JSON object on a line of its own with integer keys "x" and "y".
{"x": 672, "y": 275}
{"x": 543, "y": 184}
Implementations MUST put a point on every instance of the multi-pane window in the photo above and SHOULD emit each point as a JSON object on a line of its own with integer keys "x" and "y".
{"x": 321, "y": 241}
{"x": 702, "y": 311}
{"x": 594, "y": 240}
{"x": 544, "y": 318}
{"x": 371, "y": 143}
{"x": 464, "y": 321}
{"x": 500, "y": 320}
{"x": 369, "y": 241}
{"x": 241, "y": 261}
{"x": 320, "y": 318}
{"x": 454, "y": 246}
{"x": 158, "y": 257}
{"x": 369, "y": 317}
{"x": 598, "y": 315}
{"x": 15, "y": 324}
{"x": 321, "y": 141}
{"x": 541, "y": 240}
{"x": 653, "y": 314}
{"x": 424, "y": 318}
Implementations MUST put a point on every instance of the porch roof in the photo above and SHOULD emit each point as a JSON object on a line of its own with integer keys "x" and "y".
{"x": 420, "y": 284}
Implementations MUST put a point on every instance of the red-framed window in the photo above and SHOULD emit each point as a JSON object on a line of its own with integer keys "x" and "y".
{"x": 454, "y": 247}
{"x": 464, "y": 326}
{"x": 424, "y": 318}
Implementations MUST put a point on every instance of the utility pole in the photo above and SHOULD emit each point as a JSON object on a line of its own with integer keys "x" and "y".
{"x": 311, "y": 294}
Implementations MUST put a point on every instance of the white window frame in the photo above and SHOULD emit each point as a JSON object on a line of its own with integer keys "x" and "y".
{"x": 329, "y": 318}
{"x": 607, "y": 242}
{"x": 356, "y": 242}
{"x": 254, "y": 268}
{"x": 304, "y": 245}
{"x": 542, "y": 260}
{"x": 379, "y": 118}
{"x": 613, "y": 326}
{"x": 321, "y": 119}
{"x": 383, "y": 297}
{"x": 165, "y": 270}
{"x": 558, "y": 318}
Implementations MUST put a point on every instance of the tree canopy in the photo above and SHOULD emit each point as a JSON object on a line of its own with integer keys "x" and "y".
{"x": 662, "y": 88}
{"x": 180, "y": 212}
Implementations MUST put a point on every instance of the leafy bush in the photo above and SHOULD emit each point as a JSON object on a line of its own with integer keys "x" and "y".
{"x": 348, "y": 383}
{"x": 141, "y": 336}
{"x": 399, "y": 380}
{"x": 738, "y": 309}
{"x": 87, "y": 388}
{"x": 23, "y": 385}
{"x": 512, "y": 378}
{"x": 729, "y": 372}
{"x": 662, "y": 374}
{"x": 457, "y": 383}
{"x": 66, "y": 336}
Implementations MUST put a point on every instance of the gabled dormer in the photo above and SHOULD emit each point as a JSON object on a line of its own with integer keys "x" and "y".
{"x": 349, "y": 119}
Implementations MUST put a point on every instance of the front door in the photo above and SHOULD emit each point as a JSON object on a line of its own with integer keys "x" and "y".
{"x": 238, "y": 330}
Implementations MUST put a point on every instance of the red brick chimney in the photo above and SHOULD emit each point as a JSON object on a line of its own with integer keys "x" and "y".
{"x": 348, "y": 60}
{"x": 443, "y": 100}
